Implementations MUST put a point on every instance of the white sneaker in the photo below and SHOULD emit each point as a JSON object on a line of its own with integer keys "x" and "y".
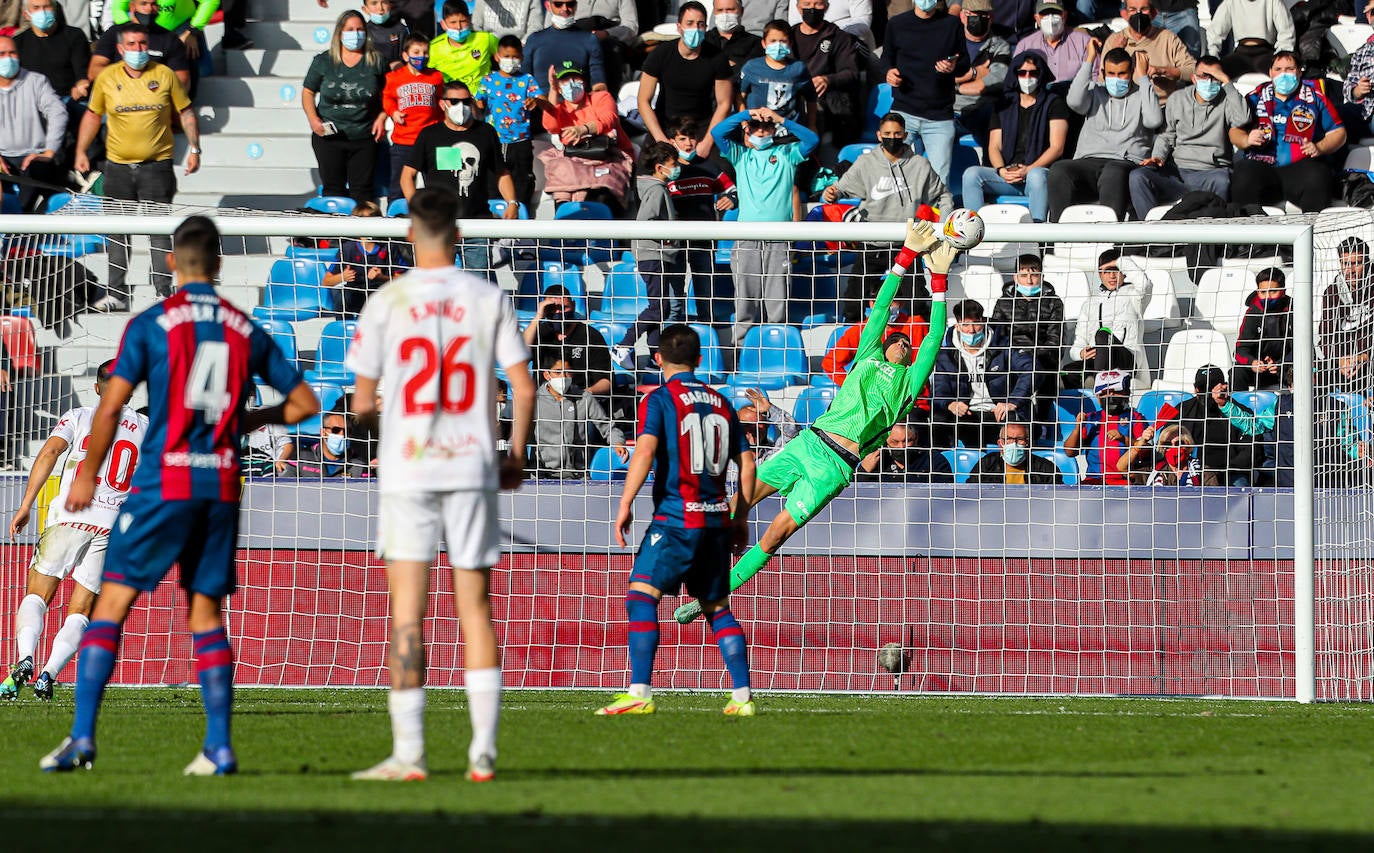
{"x": 394, "y": 769}
{"x": 483, "y": 769}
{"x": 623, "y": 356}
{"x": 109, "y": 303}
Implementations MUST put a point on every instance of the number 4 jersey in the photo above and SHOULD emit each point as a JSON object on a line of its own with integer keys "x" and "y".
{"x": 112, "y": 483}
{"x": 697, "y": 431}
{"x": 433, "y": 337}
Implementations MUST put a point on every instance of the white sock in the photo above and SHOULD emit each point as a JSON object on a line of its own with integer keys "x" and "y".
{"x": 484, "y": 708}
{"x": 741, "y": 694}
{"x": 28, "y": 624}
{"x": 408, "y": 724}
{"x": 65, "y": 644}
{"x": 639, "y": 691}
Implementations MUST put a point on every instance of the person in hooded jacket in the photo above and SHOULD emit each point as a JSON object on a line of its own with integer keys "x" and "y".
{"x": 1346, "y": 331}
{"x": 1033, "y": 315}
{"x": 979, "y": 382}
{"x": 1264, "y": 348}
{"x": 1024, "y": 140}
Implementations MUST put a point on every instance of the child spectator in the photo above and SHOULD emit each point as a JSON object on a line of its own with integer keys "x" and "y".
{"x": 1034, "y": 315}
{"x": 1264, "y": 348}
{"x": 702, "y": 191}
{"x": 364, "y": 265}
{"x": 562, "y": 413}
{"x": 411, "y": 97}
{"x": 778, "y": 82}
{"x": 459, "y": 53}
{"x": 507, "y": 96}
{"x": 1107, "y": 432}
{"x": 387, "y": 32}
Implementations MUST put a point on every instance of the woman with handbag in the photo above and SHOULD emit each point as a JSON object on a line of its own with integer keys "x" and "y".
{"x": 591, "y": 157}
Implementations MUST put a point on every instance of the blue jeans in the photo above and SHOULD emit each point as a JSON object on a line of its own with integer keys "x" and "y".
{"x": 1184, "y": 25}
{"x": 475, "y": 257}
{"x": 934, "y": 139}
{"x": 1097, "y": 10}
{"x": 1151, "y": 187}
{"x": 982, "y": 181}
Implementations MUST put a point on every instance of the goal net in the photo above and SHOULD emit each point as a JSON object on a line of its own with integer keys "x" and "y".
{"x": 1064, "y": 511}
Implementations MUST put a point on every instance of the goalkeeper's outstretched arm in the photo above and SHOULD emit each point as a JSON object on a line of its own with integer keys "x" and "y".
{"x": 920, "y": 238}
{"x": 938, "y": 262}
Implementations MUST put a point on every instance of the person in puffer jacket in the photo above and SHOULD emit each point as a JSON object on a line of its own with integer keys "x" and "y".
{"x": 1264, "y": 348}
{"x": 1033, "y": 315}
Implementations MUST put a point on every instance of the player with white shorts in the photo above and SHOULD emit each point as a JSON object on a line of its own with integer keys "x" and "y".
{"x": 434, "y": 336}
{"x": 73, "y": 543}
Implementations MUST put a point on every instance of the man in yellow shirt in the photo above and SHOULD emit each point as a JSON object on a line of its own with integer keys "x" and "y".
{"x": 137, "y": 96}
{"x": 459, "y": 53}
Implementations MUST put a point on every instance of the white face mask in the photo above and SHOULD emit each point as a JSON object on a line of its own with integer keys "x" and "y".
{"x": 1052, "y": 26}
{"x": 459, "y": 113}
{"x": 509, "y": 64}
{"x": 560, "y": 384}
{"x": 1028, "y": 84}
{"x": 727, "y": 21}
{"x": 560, "y": 22}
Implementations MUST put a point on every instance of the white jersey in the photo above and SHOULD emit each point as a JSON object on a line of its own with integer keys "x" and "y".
{"x": 112, "y": 483}
{"x": 434, "y": 338}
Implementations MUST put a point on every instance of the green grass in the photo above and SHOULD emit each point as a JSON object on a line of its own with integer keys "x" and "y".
{"x": 836, "y": 773}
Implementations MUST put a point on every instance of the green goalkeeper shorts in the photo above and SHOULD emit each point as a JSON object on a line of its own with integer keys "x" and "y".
{"x": 807, "y": 474}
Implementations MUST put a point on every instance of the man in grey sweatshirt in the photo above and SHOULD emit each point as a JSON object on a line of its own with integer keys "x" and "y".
{"x": 562, "y": 413}
{"x": 1193, "y": 151}
{"x": 33, "y": 122}
{"x": 1118, "y": 130}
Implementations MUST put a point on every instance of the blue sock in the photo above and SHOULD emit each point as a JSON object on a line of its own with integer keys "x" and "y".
{"x": 99, "y": 649}
{"x": 733, "y": 648}
{"x": 642, "y": 609}
{"x": 215, "y": 669}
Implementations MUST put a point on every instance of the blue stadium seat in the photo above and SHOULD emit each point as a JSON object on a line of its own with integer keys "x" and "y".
{"x": 612, "y": 332}
{"x": 1259, "y": 402}
{"x": 294, "y": 291}
{"x": 297, "y": 271}
{"x": 329, "y": 257}
{"x": 723, "y": 247}
{"x": 579, "y": 252}
{"x": 9, "y": 204}
{"x": 335, "y": 338}
{"x": 605, "y": 465}
{"x": 336, "y": 205}
{"x": 1067, "y": 465}
{"x": 285, "y": 336}
{"x": 962, "y": 462}
{"x": 496, "y": 205}
{"x": 854, "y": 151}
{"x": 1022, "y": 200}
{"x": 712, "y": 368}
{"x": 1153, "y": 401}
{"x": 770, "y": 357}
{"x": 1359, "y": 413}
{"x": 533, "y": 283}
{"x": 812, "y": 404}
{"x": 72, "y": 245}
{"x": 329, "y": 394}
{"x": 624, "y": 295}
{"x": 398, "y": 207}
{"x": 1067, "y": 407}
{"x": 879, "y": 105}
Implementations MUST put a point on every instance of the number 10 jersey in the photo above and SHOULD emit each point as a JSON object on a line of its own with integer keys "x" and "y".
{"x": 434, "y": 337}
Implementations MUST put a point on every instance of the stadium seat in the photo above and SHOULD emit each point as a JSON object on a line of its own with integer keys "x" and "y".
{"x": 712, "y": 367}
{"x": 285, "y": 336}
{"x": 624, "y": 295}
{"x": 579, "y": 252}
{"x": 335, "y": 205}
{"x": 1014, "y": 198}
{"x": 1348, "y": 38}
{"x": 1067, "y": 465}
{"x": 1359, "y": 413}
{"x": 498, "y": 208}
{"x": 1157, "y": 212}
{"x": 1067, "y": 407}
{"x": 771, "y": 357}
{"x": 605, "y": 465}
{"x": 297, "y": 271}
{"x": 854, "y": 151}
{"x": 1084, "y": 255}
{"x": 329, "y": 394}
{"x": 1221, "y": 295}
{"x": 1162, "y": 303}
{"x": 612, "y": 333}
{"x": 983, "y": 284}
{"x": 879, "y": 105}
{"x": 1073, "y": 287}
{"x": 1153, "y": 402}
{"x": 962, "y": 462}
{"x": 812, "y": 403}
{"x": 533, "y": 283}
{"x": 1190, "y": 349}
{"x": 1248, "y": 83}
{"x": 335, "y": 339}
{"x": 20, "y": 342}
{"x": 723, "y": 247}
{"x": 9, "y": 204}
{"x": 294, "y": 291}
{"x": 1259, "y": 402}
{"x": 1001, "y": 254}
{"x": 72, "y": 245}
{"x": 398, "y": 207}
{"x": 308, "y": 253}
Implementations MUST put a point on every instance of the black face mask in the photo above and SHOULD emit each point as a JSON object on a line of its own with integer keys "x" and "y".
{"x": 813, "y": 17}
{"x": 144, "y": 19}
{"x": 893, "y": 144}
{"x": 979, "y": 25}
{"x": 1116, "y": 405}
{"x": 1140, "y": 22}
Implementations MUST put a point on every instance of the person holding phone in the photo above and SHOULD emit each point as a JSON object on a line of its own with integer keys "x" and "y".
{"x": 924, "y": 52}
{"x": 342, "y": 100}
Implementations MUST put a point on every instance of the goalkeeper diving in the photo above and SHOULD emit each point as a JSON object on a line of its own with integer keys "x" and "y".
{"x": 883, "y": 382}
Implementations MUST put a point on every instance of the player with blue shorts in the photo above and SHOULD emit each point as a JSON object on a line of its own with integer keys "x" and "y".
{"x": 198, "y": 355}
{"x": 688, "y": 435}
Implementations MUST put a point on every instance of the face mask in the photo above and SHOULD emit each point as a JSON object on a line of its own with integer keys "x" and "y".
{"x": 926, "y": 5}
{"x": 1208, "y": 89}
{"x": 777, "y": 51}
{"x": 1052, "y": 26}
{"x": 727, "y": 21}
{"x": 893, "y": 144}
{"x": 136, "y": 59}
{"x": 9, "y": 67}
{"x": 1266, "y": 304}
{"x": 972, "y": 339}
{"x": 762, "y": 142}
{"x": 674, "y": 173}
{"x": 693, "y": 38}
{"x": 561, "y": 22}
{"x": 687, "y": 156}
{"x": 43, "y": 20}
{"x": 1177, "y": 457}
{"x": 144, "y": 18}
{"x": 978, "y": 26}
{"x": 1028, "y": 84}
{"x": 1140, "y": 22}
{"x": 378, "y": 19}
{"x": 417, "y": 62}
{"x": 572, "y": 91}
{"x": 1115, "y": 405}
{"x": 509, "y": 64}
{"x": 1028, "y": 289}
{"x": 335, "y": 444}
{"x": 459, "y": 113}
{"x": 353, "y": 39}
{"x": 459, "y": 35}
{"x": 1116, "y": 87}
{"x": 1286, "y": 83}
{"x": 1013, "y": 454}
{"x": 813, "y": 17}
{"x": 560, "y": 384}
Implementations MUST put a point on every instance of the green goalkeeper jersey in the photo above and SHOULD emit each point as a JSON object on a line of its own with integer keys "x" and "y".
{"x": 877, "y": 393}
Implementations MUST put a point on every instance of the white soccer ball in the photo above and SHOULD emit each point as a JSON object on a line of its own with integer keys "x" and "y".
{"x": 892, "y": 658}
{"x": 962, "y": 229}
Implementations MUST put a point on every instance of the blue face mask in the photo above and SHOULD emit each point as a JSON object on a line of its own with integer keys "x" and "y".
{"x": 378, "y": 19}
{"x": 1266, "y": 304}
{"x": 778, "y": 51}
{"x": 1208, "y": 89}
{"x": 336, "y": 444}
{"x": 688, "y": 155}
{"x": 674, "y": 173}
{"x": 1286, "y": 84}
{"x": 1117, "y": 87}
{"x": 1013, "y": 454}
{"x": 136, "y": 59}
{"x": 693, "y": 38}
{"x": 417, "y": 62}
{"x": 926, "y": 5}
{"x": 353, "y": 39}
{"x": 9, "y": 67}
{"x": 43, "y": 20}
{"x": 972, "y": 339}
{"x": 761, "y": 142}
{"x": 459, "y": 35}
{"x": 1028, "y": 289}
{"x": 572, "y": 91}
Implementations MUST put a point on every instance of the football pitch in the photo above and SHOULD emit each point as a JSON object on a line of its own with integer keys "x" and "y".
{"x": 841, "y": 773}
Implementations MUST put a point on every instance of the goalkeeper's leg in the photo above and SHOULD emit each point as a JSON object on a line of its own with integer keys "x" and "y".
{"x": 753, "y": 561}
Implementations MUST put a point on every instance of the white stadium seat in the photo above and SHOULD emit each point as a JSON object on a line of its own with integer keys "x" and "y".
{"x": 1190, "y": 349}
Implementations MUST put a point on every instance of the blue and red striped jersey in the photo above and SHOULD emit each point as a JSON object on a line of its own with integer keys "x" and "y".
{"x": 199, "y": 354}
{"x": 698, "y": 433}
